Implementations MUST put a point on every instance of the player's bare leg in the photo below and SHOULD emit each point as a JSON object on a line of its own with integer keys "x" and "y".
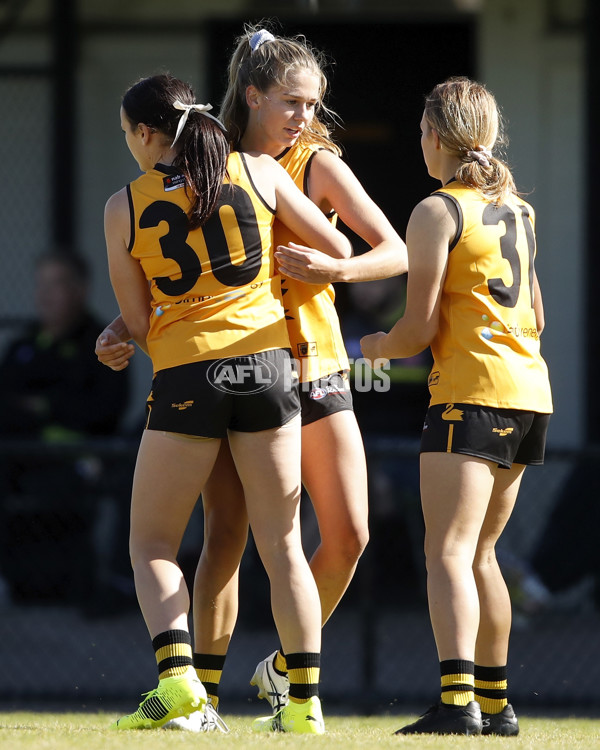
{"x": 494, "y": 600}
{"x": 225, "y": 535}
{"x": 455, "y": 492}
{"x": 334, "y": 474}
{"x": 169, "y": 476}
{"x": 268, "y": 463}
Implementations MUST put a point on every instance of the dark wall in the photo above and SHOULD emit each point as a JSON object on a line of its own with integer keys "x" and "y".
{"x": 379, "y": 77}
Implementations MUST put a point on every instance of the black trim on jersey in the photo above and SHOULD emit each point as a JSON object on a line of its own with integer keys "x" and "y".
{"x": 131, "y": 220}
{"x": 306, "y": 171}
{"x": 283, "y": 153}
{"x": 249, "y": 176}
{"x": 333, "y": 212}
{"x": 459, "y": 229}
{"x": 166, "y": 168}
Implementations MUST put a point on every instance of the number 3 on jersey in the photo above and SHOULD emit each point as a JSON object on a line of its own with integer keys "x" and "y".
{"x": 504, "y": 295}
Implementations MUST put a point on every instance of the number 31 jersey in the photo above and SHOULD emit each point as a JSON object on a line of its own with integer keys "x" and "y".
{"x": 487, "y": 349}
{"x": 214, "y": 289}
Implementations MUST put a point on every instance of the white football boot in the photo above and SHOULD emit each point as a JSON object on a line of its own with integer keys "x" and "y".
{"x": 272, "y": 685}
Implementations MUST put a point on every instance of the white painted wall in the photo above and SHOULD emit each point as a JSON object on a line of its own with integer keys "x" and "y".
{"x": 107, "y": 68}
{"x": 537, "y": 77}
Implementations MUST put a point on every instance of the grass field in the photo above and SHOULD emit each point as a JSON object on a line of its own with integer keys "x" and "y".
{"x": 36, "y": 731}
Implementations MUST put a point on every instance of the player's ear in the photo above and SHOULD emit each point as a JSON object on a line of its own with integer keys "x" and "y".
{"x": 146, "y": 131}
{"x": 252, "y": 97}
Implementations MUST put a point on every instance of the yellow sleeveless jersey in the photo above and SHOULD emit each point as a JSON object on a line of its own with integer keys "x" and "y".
{"x": 214, "y": 290}
{"x": 487, "y": 349}
{"x": 312, "y": 320}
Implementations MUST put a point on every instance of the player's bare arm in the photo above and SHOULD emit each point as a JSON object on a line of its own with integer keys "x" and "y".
{"x": 126, "y": 274}
{"x": 431, "y": 227}
{"x": 333, "y": 186}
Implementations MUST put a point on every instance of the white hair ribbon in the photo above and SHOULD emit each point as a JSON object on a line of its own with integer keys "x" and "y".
{"x": 481, "y": 155}
{"x": 260, "y": 37}
{"x": 186, "y": 109}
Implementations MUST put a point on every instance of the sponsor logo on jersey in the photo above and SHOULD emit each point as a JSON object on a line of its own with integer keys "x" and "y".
{"x": 308, "y": 349}
{"x": 434, "y": 378}
{"x": 173, "y": 182}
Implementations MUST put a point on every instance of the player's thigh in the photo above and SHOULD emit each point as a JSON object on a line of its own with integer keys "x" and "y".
{"x": 501, "y": 506}
{"x": 225, "y": 517}
{"x": 170, "y": 473}
{"x": 334, "y": 473}
{"x": 455, "y": 493}
{"x": 268, "y": 463}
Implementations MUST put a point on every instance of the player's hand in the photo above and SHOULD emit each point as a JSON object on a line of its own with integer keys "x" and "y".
{"x": 306, "y": 264}
{"x": 370, "y": 347}
{"x": 113, "y": 352}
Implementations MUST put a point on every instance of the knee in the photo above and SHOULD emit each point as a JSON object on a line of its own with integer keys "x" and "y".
{"x": 484, "y": 558}
{"x": 280, "y": 557}
{"x": 224, "y": 544}
{"x": 142, "y": 551}
{"x": 358, "y": 541}
{"x": 348, "y": 544}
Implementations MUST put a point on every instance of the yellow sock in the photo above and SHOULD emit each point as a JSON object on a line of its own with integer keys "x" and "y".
{"x": 457, "y": 682}
{"x": 173, "y": 652}
{"x": 280, "y": 662}
{"x": 491, "y": 688}
{"x": 209, "y": 668}
{"x": 304, "y": 670}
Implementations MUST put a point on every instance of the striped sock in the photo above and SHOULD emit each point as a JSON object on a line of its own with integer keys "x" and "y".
{"x": 457, "y": 681}
{"x": 209, "y": 668}
{"x": 491, "y": 688}
{"x": 280, "y": 662}
{"x": 173, "y": 651}
{"x": 304, "y": 670}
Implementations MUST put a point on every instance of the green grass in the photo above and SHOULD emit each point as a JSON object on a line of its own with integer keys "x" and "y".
{"x": 36, "y": 731}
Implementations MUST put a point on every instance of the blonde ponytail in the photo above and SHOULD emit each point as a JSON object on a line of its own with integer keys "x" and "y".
{"x": 469, "y": 125}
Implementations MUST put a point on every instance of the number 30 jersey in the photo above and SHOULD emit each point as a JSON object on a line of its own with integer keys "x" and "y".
{"x": 487, "y": 349}
{"x": 214, "y": 289}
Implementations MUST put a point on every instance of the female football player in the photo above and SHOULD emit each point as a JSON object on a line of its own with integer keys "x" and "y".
{"x": 474, "y": 298}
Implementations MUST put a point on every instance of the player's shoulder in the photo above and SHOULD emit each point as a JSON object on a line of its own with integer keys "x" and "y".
{"x": 262, "y": 166}
{"x": 326, "y": 159}
{"x": 117, "y": 203}
{"x": 435, "y": 220}
{"x": 435, "y": 207}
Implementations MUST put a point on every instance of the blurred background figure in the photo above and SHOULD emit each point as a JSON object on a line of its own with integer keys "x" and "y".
{"x": 56, "y": 394}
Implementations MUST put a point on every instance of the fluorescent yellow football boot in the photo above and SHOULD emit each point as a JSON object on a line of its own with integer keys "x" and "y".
{"x": 174, "y": 696}
{"x": 297, "y": 718}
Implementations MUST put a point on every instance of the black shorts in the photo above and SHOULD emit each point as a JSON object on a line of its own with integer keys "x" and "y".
{"x": 505, "y": 436}
{"x": 247, "y": 394}
{"x": 328, "y": 395}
